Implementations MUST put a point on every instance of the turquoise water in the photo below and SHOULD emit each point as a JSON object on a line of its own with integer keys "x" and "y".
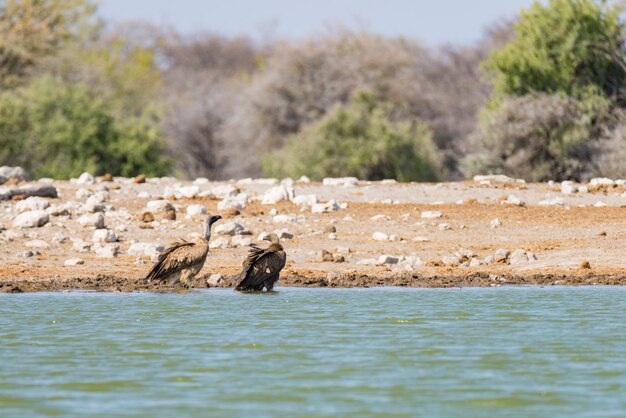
{"x": 505, "y": 352}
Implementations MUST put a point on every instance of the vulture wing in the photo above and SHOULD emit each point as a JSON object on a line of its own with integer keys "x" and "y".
{"x": 178, "y": 256}
{"x": 261, "y": 268}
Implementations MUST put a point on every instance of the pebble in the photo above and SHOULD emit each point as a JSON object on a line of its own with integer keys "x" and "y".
{"x": 106, "y": 250}
{"x": 194, "y": 210}
{"x": 73, "y": 262}
{"x": 214, "y": 280}
{"x": 277, "y": 194}
{"x": 495, "y": 223}
{"x": 513, "y": 200}
{"x": 388, "y": 259}
{"x": 104, "y": 235}
{"x": 145, "y": 249}
{"x": 332, "y": 236}
{"x": 221, "y": 242}
{"x": 32, "y": 203}
{"x": 86, "y": 178}
{"x": 37, "y": 243}
{"x": 81, "y": 246}
{"x": 501, "y": 255}
{"x": 96, "y": 220}
{"x": 283, "y": 219}
{"x": 305, "y": 200}
{"x": 450, "y": 260}
{"x": 380, "y": 236}
{"x": 31, "y": 219}
{"x": 431, "y": 214}
{"x": 159, "y": 206}
{"x": 230, "y": 228}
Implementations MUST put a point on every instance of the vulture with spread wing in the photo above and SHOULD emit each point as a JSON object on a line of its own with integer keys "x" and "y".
{"x": 182, "y": 260}
{"x": 262, "y": 266}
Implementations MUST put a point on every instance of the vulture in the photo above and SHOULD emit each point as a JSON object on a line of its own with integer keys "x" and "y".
{"x": 262, "y": 266}
{"x": 182, "y": 260}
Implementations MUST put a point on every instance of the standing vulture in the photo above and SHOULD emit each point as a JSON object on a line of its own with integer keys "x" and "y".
{"x": 182, "y": 260}
{"x": 262, "y": 266}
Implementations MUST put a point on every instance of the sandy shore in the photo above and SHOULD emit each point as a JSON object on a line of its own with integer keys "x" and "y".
{"x": 386, "y": 234}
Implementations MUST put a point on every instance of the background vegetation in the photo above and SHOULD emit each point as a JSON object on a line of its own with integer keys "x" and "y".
{"x": 540, "y": 98}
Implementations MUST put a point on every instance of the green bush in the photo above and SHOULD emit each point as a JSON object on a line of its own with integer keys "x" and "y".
{"x": 57, "y": 129}
{"x": 360, "y": 140}
{"x": 566, "y": 47}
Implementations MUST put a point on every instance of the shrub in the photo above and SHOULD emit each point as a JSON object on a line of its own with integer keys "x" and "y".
{"x": 540, "y": 137}
{"x": 58, "y": 129}
{"x": 358, "y": 139}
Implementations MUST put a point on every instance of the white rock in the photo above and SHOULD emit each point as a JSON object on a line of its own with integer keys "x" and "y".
{"x": 237, "y": 202}
{"x": 513, "y": 200}
{"x": 201, "y": 180}
{"x": 31, "y": 219}
{"x": 224, "y": 190}
{"x": 187, "y": 191}
{"x": 104, "y": 235}
{"x": 32, "y": 203}
{"x": 380, "y": 236}
{"x": 620, "y": 182}
{"x": 61, "y": 210}
{"x": 601, "y": 181}
{"x": 474, "y": 262}
{"x": 82, "y": 193}
{"x": 262, "y": 181}
{"x": 599, "y": 204}
{"x": 81, "y": 246}
{"x": 368, "y": 262}
{"x": 489, "y": 260}
{"x": 332, "y": 236}
{"x": 59, "y": 238}
{"x": 230, "y": 228}
{"x": 277, "y": 194}
{"x": 144, "y": 195}
{"x": 380, "y": 217}
{"x": 450, "y": 260}
{"x": 387, "y": 259}
{"x": 444, "y": 227}
{"x": 37, "y": 243}
{"x": 214, "y": 280}
{"x": 342, "y": 181}
{"x": 106, "y": 250}
{"x": 495, "y": 223}
{"x": 241, "y": 241}
{"x": 518, "y": 257}
{"x": 284, "y": 219}
{"x": 431, "y": 214}
{"x": 145, "y": 249}
{"x": 421, "y": 239}
{"x": 557, "y": 201}
{"x": 159, "y": 206}
{"x": 304, "y": 179}
{"x": 96, "y": 220}
{"x": 221, "y": 242}
{"x": 73, "y": 262}
{"x": 13, "y": 172}
{"x": 86, "y": 178}
{"x": 568, "y": 187}
{"x": 195, "y": 210}
{"x": 500, "y": 178}
{"x": 283, "y": 234}
{"x": 330, "y": 206}
{"x": 343, "y": 250}
{"x": 394, "y": 238}
{"x": 501, "y": 255}
{"x": 305, "y": 200}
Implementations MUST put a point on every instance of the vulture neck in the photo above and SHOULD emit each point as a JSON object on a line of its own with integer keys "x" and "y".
{"x": 207, "y": 232}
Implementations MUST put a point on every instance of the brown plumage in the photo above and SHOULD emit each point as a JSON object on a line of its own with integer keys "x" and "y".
{"x": 262, "y": 266}
{"x": 182, "y": 260}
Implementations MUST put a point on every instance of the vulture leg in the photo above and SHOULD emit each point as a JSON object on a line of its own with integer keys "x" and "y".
{"x": 269, "y": 283}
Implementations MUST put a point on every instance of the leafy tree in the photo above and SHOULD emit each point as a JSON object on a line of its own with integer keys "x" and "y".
{"x": 566, "y": 46}
{"x": 32, "y": 29}
{"x": 58, "y": 129}
{"x": 359, "y": 139}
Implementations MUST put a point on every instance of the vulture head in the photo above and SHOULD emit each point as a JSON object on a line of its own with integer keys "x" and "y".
{"x": 209, "y": 222}
{"x": 273, "y": 238}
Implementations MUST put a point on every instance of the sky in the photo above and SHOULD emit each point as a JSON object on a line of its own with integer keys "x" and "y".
{"x": 432, "y": 22}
